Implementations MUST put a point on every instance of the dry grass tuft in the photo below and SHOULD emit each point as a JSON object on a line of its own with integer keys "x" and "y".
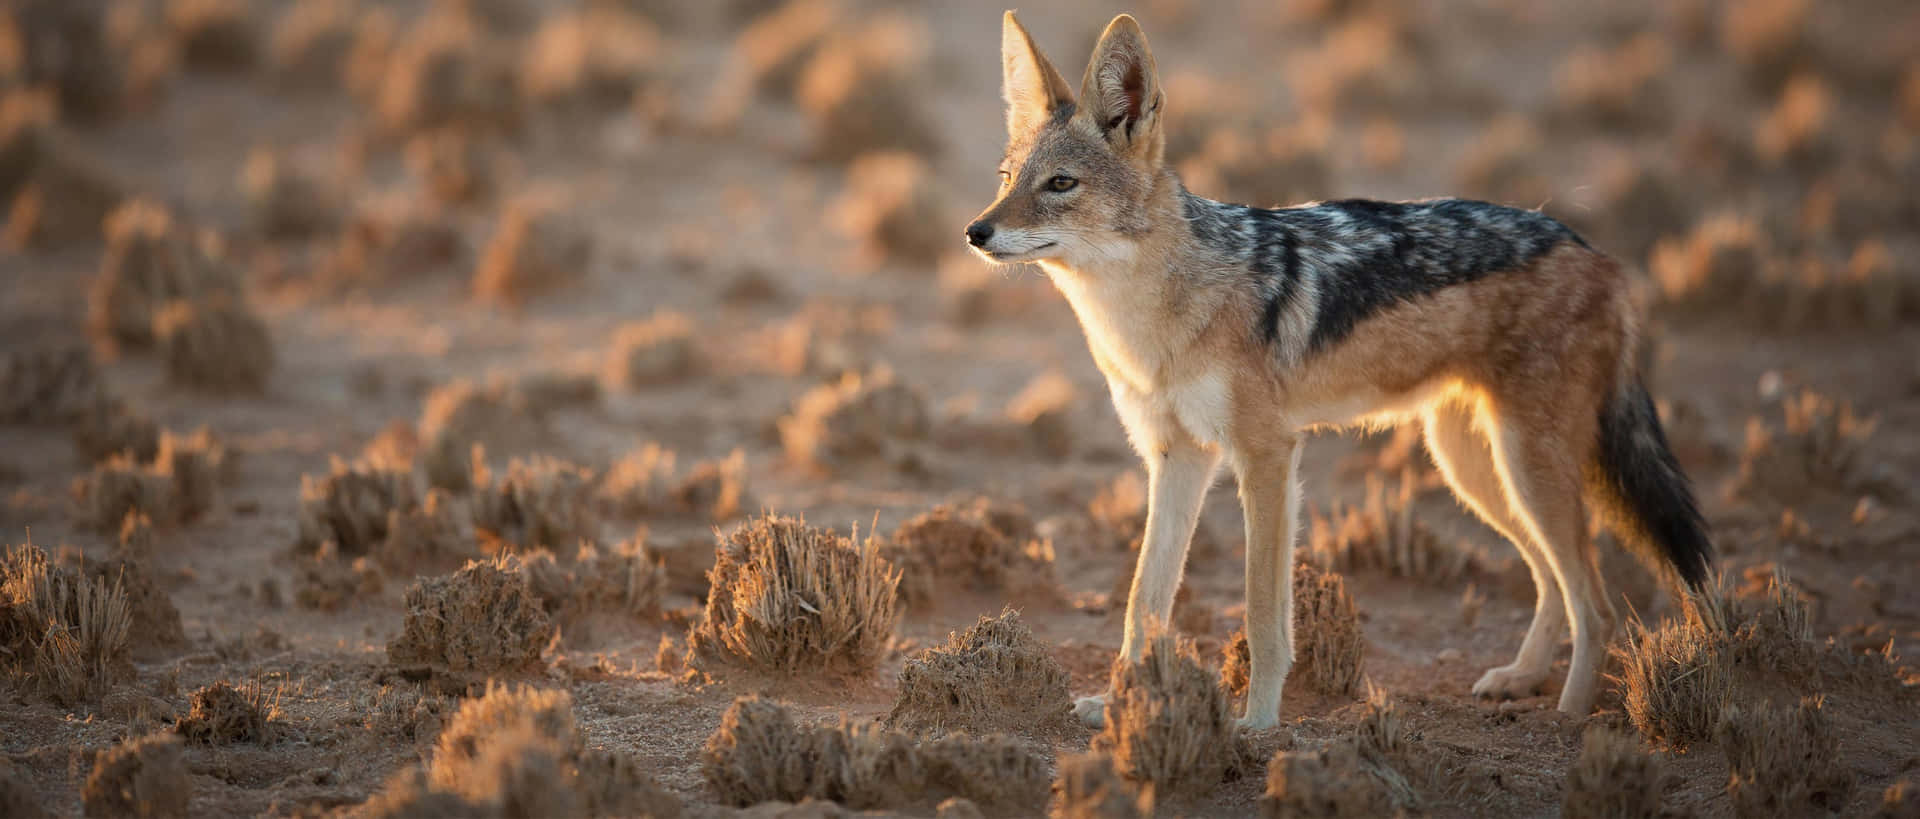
{"x": 1382, "y": 535}
{"x": 479, "y": 621}
{"x": 1619, "y": 86}
{"x": 658, "y": 350}
{"x": 308, "y": 48}
{"x": 1822, "y": 443}
{"x": 454, "y": 165}
{"x": 1900, "y": 801}
{"x": 389, "y": 240}
{"x": 107, "y": 428}
{"x": 1088, "y": 787}
{"x": 1167, "y": 721}
{"x": 53, "y": 194}
{"x": 289, "y": 200}
{"x": 61, "y": 632}
{"x": 327, "y": 581}
{"x": 222, "y": 714}
{"x": 647, "y": 483}
{"x": 1712, "y": 266}
{"x": 1794, "y": 133}
{"x": 1783, "y": 761}
{"x": 352, "y": 506}
{"x": 1329, "y": 648}
{"x": 216, "y": 345}
{"x": 760, "y": 754}
{"x": 897, "y": 211}
{"x": 1768, "y": 37}
{"x": 154, "y": 631}
{"x": 1280, "y": 167}
{"x": 1615, "y": 777}
{"x": 1501, "y": 163}
{"x": 997, "y": 677}
{"x": 150, "y": 262}
{"x": 788, "y": 598}
{"x": 178, "y": 487}
{"x": 981, "y": 545}
{"x": 429, "y": 536}
{"x": 214, "y": 35}
{"x": 858, "y": 90}
{"x": 538, "y": 503}
{"x": 48, "y": 386}
{"x": 534, "y": 250}
{"x": 593, "y": 59}
{"x": 145, "y": 777}
{"x": 444, "y": 72}
{"x": 626, "y": 577}
{"x": 457, "y": 417}
{"x": 1332, "y": 782}
{"x": 857, "y": 418}
{"x": 1679, "y": 675}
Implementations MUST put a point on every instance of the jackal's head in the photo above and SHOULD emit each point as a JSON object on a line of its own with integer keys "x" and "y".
{"x": 1076, "y": 180}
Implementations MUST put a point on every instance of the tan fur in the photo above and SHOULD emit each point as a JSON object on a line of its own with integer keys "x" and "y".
{"x": 1491, "y": 368}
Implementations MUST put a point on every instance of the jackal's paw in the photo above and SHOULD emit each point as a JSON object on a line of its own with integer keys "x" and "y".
{"x": 1092, "y": 711}
{"x": 1509, "y": 682}
{"x": 1257, "y": 722}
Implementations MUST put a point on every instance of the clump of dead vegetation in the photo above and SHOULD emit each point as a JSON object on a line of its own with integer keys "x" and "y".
{"x": 1383, "y": 535}
{"x": 154, "y": 630}
{"x": 1327, "y": 643}
{"x": 1501, "y": 163}
{"x": 1282, "y": 166}
{"x": 1726, "y": 267}
{"x": 539, "y": 503}
{"x": 1794, "y": 133}
{"x": 152, "y": 261}
{"x": 144, "y": 777}
{"x": 858, "y": 91}
{"x": 1618, "y": 86}
{"x": 390, "y": 240}
{"x": 1089, "y": 787}
{"x": 177, "y": 487}
{"x": 457, "y": 418}
{"x": 107, "y": 427}
{"x": 533, "y": 251}
{"x": 1783, "y": 761}
{"x": 217, "y": 345}
{"x": 54, "y": 195}
{"x": 352, "y": 506}
{"x": 223, "y": 713}
{"x": 647, "y": 482}
{"x": 1821, "y": 443}
{"x": 1614, "y": 776}
{"x": 760, "y": 754}
{"x": 997, "y": 677}
{"x": 854, "y": 419}
{"x": 325, "y": 580}
{"x": 49, "y": 386}
{"x": 981, "y": 545}
{"x": 519, "y": 752}
{"x": 896, "y": 209}
{"x": 214, "y": 35}
{"x": 657, "y": 350}
{"x": 1370, "y": 772}
{"x": 592, "y": 59}
{"x": 62, "y": 633}
{"x": 454, "y": 166}
{"x": 307, "y": 50}
{"x": 480, "y": 621}
{"x": 626, "y": 577}
{"x": 289, "y": 200}
{"x": 788, "y": 598}
{"x": 445, "y": 71}
{"x": 1767, "y": 37}
{"x": 1167, "y": 722}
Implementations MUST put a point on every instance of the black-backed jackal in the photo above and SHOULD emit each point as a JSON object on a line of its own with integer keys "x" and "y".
{"x": 1230, "y": 331}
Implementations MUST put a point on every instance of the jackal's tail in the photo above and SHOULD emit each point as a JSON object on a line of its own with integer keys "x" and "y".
{"x": 1637, "y": 482}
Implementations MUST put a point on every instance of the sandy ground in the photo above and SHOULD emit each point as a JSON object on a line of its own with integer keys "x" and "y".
{"x": 678, "y": 215}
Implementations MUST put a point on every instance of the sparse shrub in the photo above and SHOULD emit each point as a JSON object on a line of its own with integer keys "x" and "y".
{"x": 1328, "y": 646}
{"x": 997, "y": 677}
{"x": 854, "y": 419}
{"x": 533, "y": 251}
{"x": 107, "y": 428}
{"x": 1088, "y": 787}
{"x": 215, "y": 35}
{"x": 454, "y": 165}
{"x": 178, "y": 487}
{"x": 223, "y": 714}
{"x": 310, "y": 43}
{"x": 479, "y": 621}
{"x": 981, "y": 545}
{"x": 1167, "y": 722}
{"x": 48, "y": 386}
{"x": 896, "y": 209}
{"x": 1783, "y": 761}
{"x": 1822, "y": 443}
{"x": 63, "y": 632}
{"x": 443, "y": 72}
{"x": 428, "y": 536}
{"x": 1679, "y": 675}
{"x": 391, "y": 240}
{"x": 1327, "y": 783}
{"x": 154, "y": 630}
{"x": 458, "y": 416}
{"x": 788, "y": 598}
{"x": 1768, "y": 37}
{"x": 149, "y": 262}
{"x": 408, "y": 714}
{"x": 1613, "y": 777}
{"x": 327, "y": 581}
{"x": 1713, "y": 268}
{"x": 545, "y": 713}
{"x": 1792, "y": 133}
{"x": 216, "y": 345}
{"x": 858, "y": 91}
{"x": 54, "y": 195}
{"x": 352, "y": 507}
{"x": 596, "y": 58}
{"x": 145, "y": 777}
{"x": 626, "y": 577}
{"x": 647, "y": 482}
{"x": 289, "y": 201}
{"x": 539, "y": 503}
{"x": 1383, "y": 535}
{"x": 658, "y": 350}
{"x": 760, "y": 754}
{"x": 1619, "y": 86}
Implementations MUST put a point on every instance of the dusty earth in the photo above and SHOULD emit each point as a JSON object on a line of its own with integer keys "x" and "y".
{"x": 712, "y": 189}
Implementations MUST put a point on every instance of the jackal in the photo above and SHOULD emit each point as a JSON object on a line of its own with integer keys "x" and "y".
{"x": 1228, "y": 331}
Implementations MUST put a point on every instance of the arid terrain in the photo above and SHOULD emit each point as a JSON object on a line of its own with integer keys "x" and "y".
{"x": 537, "y": 408}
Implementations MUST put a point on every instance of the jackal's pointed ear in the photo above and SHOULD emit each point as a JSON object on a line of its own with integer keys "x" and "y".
{"x": 1034, "y": 90}
{"x": 1121, "y": 92}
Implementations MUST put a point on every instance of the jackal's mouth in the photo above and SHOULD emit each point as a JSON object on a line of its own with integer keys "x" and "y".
{"x": 1015, "y": 255}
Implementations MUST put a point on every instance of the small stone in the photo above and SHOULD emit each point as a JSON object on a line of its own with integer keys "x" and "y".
{"x": 1448, "y": 655}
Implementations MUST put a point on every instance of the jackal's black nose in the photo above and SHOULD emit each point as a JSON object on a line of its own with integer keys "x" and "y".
{"x": 978, "y": 233}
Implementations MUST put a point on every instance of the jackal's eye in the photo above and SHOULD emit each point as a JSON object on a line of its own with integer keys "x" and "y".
{"x": 1062, "y": 184}
{"x": 1006, "y": 178}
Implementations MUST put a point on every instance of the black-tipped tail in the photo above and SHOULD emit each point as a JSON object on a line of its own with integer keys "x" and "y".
{"x": 1640, "y": 485}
